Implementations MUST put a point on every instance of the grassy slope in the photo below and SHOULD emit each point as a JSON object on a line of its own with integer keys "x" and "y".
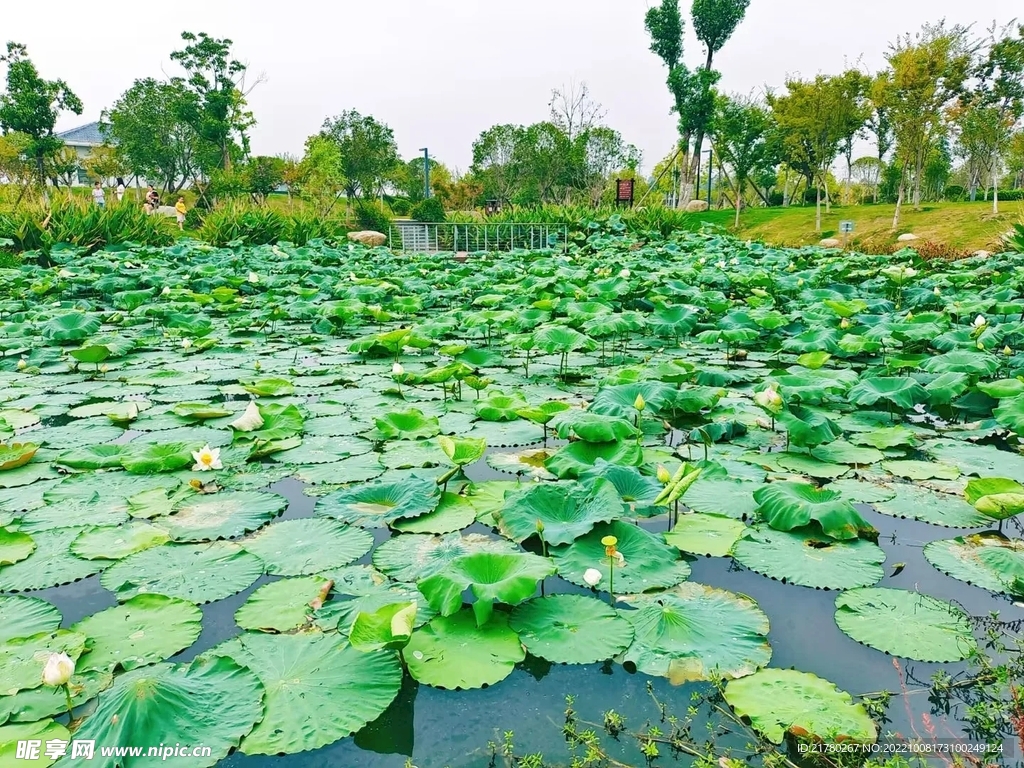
{"x": 970, "y": 226}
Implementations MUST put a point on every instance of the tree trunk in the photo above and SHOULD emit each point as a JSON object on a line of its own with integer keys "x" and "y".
{"x": 899, "y": 200}
{"x": 685, "y": 181}
{"x": 785, "y": 189}
{"x": 817, "y": 212}
{"x": 995, "y": 193}
{"x": 918, "y": 172}
{"x": 828, "y": 199}
{"x": 739, "y": 200}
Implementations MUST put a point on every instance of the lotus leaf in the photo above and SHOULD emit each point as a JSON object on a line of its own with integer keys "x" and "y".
{"x": 996, "y": 497}
{"x": 988, "y": 560}
{"x": 378, "y": 504}
{"x": 566, "y": 511}
{"x": 695, "y": 632}
{"x": 388, "y": 628}
{"x": 407, "y": 425}
{"x": 308, "y": 546}
{"x": 786, "y": 506}
{"x": 14, "y": 455}
{"x": 571, "y": 629}
{"x": 416, "y": 557}
{"x": 905, "y": 624}
{"x": 22, "y": 616}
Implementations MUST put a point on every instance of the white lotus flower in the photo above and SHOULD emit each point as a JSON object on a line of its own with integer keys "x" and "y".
{"x": 980, "y": 321}
{"x": 22, "y": 364}
{"x": 619, "y": 559}
{"x": 65, "y": 274}
{"x": 249, "y": 420}
{"x": 702, "y": 261}
{"x": 104, "y": 368}
{"x": 206, "y": 458}
{"x": 734, "y": 261}
{"x": 592, "y": 577}
{"x": 253, "y": 277}
{"x": 166, "y": 291}
{"x": 186, "y": 343}
{"x": 625, "y": 273}
{"x": 769, "y": 399}
{"x": 936, "y": 291}
{"x": 720, "y": 265}
{"x": 397, "y": 369}
{"x": 58, "y": 669}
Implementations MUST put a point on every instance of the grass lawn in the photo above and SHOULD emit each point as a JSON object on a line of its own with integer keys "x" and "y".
{"x": 970, "y": 226}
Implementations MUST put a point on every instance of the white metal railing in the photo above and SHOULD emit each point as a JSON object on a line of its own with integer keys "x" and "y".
{"x": 420, "y": 237}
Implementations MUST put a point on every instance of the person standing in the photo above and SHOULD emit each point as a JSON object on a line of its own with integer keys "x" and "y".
{"x": 147, "y": 204}
{"x": 120, "y": 189}
{"x": 98, "y": 196}
{"x": 181, "y": 211}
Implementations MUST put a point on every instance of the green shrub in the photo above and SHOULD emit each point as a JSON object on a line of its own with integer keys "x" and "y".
{"x": 372, "y": 216}
{"x": 954, "y": 193}
{"x": 80, "y": 223}
{"x": 1010, "y": 195}
{"x": 302, "y": 228}
{"x": 429, "y": 210}
{"x": 400, "y": 206}
{"x": 236, "y": 222}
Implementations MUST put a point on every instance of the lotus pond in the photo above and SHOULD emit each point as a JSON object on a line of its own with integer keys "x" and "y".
{"x": 337, "y": 506}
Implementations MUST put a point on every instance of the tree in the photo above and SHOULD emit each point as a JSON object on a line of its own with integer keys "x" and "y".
{"x": 409, "y": 179}
{"x": 216, "y": 109}
{"x": 856, "y": 111}
{"x": 814, "y": 118}
{"x": 741, "y": 140}
{"x": 16, "y": 163}
{"x": 1015, "y": 158}
{"x": 320, "y": 176}
{"x": 494, "y": 154}
{"x": 262, "y": 176}
{"x": 573, "y": 111}
{"x": 32, "y": 104}
{"x": 598, "y": 153}
{"x": 369, "y": 154}
{"x": 62, "y": 166}
{"x": 926, "y": 72}
{"x": 149, "y": 127}
{"x": 105, "y": 162}
{"x": 868, "y": 172}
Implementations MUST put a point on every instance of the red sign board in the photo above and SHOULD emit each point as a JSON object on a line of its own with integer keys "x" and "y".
{"x": 624, "y": 191}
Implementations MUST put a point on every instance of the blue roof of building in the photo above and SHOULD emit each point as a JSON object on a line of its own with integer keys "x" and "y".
{"x": 85, "y": 134}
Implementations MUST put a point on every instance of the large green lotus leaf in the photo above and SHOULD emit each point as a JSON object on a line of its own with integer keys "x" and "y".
{"x": 309, "y": 545}
{"x": 22, "y": 659}
{"x": 26, "y": 475}
{"x": 375, "y": 505}
{"x": 529, "y": 462}
{"x": 268, "y": 387}
{"x": 780, "y": 700}
{"x": 786, "y": 506}
{"x": 324, "y": 450}
{"x": 885, "y": 437}
{"x": 453, "y": 652}
{"x": 359, "y": 589}
{"x": 706, "y": 534}
{"x": 593, "y": 427}
{"x": 505, "y": 434}
{"x": 996, "y": 497}
{"x": 565, "y": 510}
{"x": 862, "y": 491}
{"x": 1010, "y": 413}
{"x": 407, "y": 425}
{"x": 281, "y": 606}
{"x": 500, "y": 407}
{"x": 43, "y": 731}
{"x": 928, "y": 506}
{"x": 213, "y": 702}
{"x": 143, "y": 630}
{"x": 490, "y": 576}
{"x": 201, "y": 573}
{"x": 75, "y": 435}
{"x": 224, "y": 515}
{"x": 620, "y": 400}
{"x": 151, "y": 458}
{"x": 988, "y": 560}
{"x": 14, "y": 546}
{"x": 413, "y": 454}
{"x": 200, "y": 411}
{"x": 113, "y": 542}
{"x": 70, "y": 513}
{"x": 841, "y": 452}
{"x": 413, "y": 557}
{"x": 14, "y": 455}
{"x": 571, "y": 629}
{"x": 963, "y": 361}
{"x": 453, "y": 513}
{"x": 388, "y": 628}
{"x": 51, "y": 565}
{"x": 806, "y": 465}
{"x": 462, "y": 451}
{"x": 905, "y": 624}
{"x": 21, "y": 616}
{"x": 46, "y": 701}
{"x": 280, "y": 422}
{"x": 974, "y": 459}
{"x": 71, "y": 326}
{"x": 106, "y": 456}
{"x": 921, "y": 470}
{"x": 336, "y": 426}
{"x": 650, "y": 562}
{"x": 354, "y": 469}
{"x": 944, "y": 389}
{"x": 637, "y": 491}
{"x": 1002, "y": 388}
{"x": 312, "y": 677}
{"x": 574, "y": 459}
{"x": 805, "y": 557}
{"x": 900, "y": 392}
{"x": 807, "y": 428}
{"x": 734, "y": 498}
{"x": 693, "y": 632}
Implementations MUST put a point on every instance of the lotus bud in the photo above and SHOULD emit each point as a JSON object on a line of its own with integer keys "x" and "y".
{"x": 800, "y": 282}
{"x": 1007, "y": 351}
{"x": 540, "y": 526}
{"x": 720, "y": 265}
{"x": 624, "y": 274}
{"x": 769, "y": 399}
{"x": 58, "y": 670}
{"x": 22, "y": 364}
{"x": 980, "y": 321}
{"x": 166, "y": 291}
{"x": 702, "y": 261}
{"x": 639, "y": 403}
{"x": 734, "y": 261}
{"x": 65, "y": 274}
{"x": 104, "y": 368}
{"x": 253, "y": 277}
{"x": 186, "y": 343}
{"x": 397, "y": 369}
{"x": 257, "y": 366}
{"x": 844, "y": 324}
{"x": 980, "y": 346}
{"x": 664, "y": 476}
{"x": 592, "y": 577}
{"x": 251, "y": 420}
{"x": 936, "y": 291}
{"x": 910, "y": 316}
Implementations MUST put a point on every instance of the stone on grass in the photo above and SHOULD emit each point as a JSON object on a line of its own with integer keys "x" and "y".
{"x": 830, "y": 242}
{"x": 697, "y": 206}
{"x": 907, "y": 238}
{"x": 368, "y": 237}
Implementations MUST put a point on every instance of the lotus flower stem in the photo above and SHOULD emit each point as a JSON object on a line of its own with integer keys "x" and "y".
{"x": 71, "y": 708}
{"x": 611, "y": 580}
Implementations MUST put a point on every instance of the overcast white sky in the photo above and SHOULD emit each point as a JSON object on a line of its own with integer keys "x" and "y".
{"x": 441, "y": 71}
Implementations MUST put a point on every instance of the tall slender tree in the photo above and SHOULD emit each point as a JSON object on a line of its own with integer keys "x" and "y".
{"x": 741, "y": 139}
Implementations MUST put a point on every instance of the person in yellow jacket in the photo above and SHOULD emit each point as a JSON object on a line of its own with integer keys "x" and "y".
{"x": 181, "y": 210}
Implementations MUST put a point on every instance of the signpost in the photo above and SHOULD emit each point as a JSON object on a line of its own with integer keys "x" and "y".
{"x": 846, "y": 227}
{"x": 624, "y": 192}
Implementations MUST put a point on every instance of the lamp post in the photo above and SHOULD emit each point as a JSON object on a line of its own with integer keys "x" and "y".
{"x": 426, "y": 173}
